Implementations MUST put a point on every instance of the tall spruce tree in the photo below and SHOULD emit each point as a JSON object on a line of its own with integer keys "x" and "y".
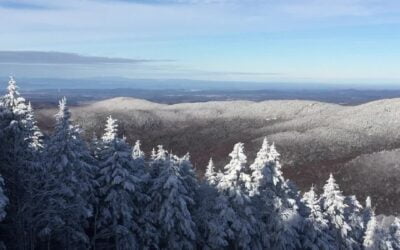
{"x": 239, "y": 215}
{"x": 373, "y": 235}
{"x": 189, "y": 177}
{"x": 354, "y": 217}
{"x": 277, "y": 201}
{"x": 315, "y": 234}
{"x": 35, "y": 138}
{"x": 259, "y": 171}
{"x": 367, "y": 211}
{"x": 157, "y": 161}
{"x": 68, "y": 185}
{"x": 210, "y": 174}
{"x": 137, "y": 154}
{"x": 170, "y": 204}
{"x": 211, "y": 228}
{"x": 18, "y": 166}
{"x": 146, "y": 223}
{"x": 158, "y": 158}
{"x": 333, "y": 206}
{"x": 393, "y": 237}
{"x": 120, "y": 193}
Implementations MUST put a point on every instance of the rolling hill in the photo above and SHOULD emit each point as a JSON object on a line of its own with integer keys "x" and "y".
{"x": 358, "y": 144}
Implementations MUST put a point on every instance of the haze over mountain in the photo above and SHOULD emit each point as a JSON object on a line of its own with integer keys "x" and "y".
{"x": 98, "y": 83}
{"x": 314, "y": 138}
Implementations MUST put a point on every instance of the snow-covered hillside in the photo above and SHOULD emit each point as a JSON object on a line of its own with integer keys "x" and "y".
{"x": 313, "y": 137}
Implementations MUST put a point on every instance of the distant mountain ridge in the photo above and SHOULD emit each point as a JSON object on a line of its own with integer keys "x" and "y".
{"x": 187, "y": 84}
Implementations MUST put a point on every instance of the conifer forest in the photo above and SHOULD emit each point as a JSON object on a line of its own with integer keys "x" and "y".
{"x": 59, "y": 191}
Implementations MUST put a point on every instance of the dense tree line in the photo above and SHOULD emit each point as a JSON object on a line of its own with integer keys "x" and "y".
{"x": 59, "y": 192}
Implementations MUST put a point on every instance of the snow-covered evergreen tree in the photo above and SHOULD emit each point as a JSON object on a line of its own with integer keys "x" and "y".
{"x": 392, "y": 241}
{"x": 153, "y": 154}
{"x": 137, "y": 153}
{"x": 157, "y": 160}
{"x": 139, "y": 164}
{"x": 189, "y": 176}
{"x": 209, "y": 222}
{"x": 210, "y": 174}
{"x": 120, "y": 193}
{"x": 368, "y": 211}
{"x": 354, "y": 217}
{"x": 373, "y": 235}
{"x": 18, "y": 165}
{"x": 13, "y": 98}
{"x": 333, "y": 206}
{"x": 276, "y": 200}
{"x": 258, "y": 167}
{"x": 68, "y": 185}
{"x": 170, "y": 204}
{"x": 242, "y": 229}
{"x": 315, "y": 234}
{"x": 35, "y": 138}
{"x": 146, "y": 223}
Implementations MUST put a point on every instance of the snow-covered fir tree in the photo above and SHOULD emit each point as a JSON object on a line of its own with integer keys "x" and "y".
{"x": 35, "y": 138}
{"x": 19, "y": 165}
{"x": 392, "y": 241}
{"x": 189, "y": 176}
{"x": 210, "y": 174}
{"x": 68, "y": 185}
{"x": 157, "y": 160}
{"x": 209, "y": 221}
{"x": 277, "y": 202}
{"x": 258, "y": 167}
{"x": 170, "y": 204}
{"x": 137, "y": 153}
{"x": 139, "y": 163}
{"x": 333, "y": 206}
{"x": 13, "y": 99}
{"x": 368, "y": 211}
{"x": 354, "y": 217}
{"x": 153, "y": 154}
{"x": 154, "y": 166}
{"x": 145, "y": 221}
{"x": 120, "y": 193}
{"x": 315, "y": 234}
{"x": 373, "y": 235}
{"x": 243, "y": 228}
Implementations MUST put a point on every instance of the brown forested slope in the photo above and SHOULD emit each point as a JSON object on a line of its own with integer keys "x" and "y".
{"x": 314, "y": 138}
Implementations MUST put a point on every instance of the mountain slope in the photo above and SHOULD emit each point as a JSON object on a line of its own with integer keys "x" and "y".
{"x": 315, "y": 138}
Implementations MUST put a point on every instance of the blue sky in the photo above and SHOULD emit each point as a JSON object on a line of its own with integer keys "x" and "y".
{"x": 326, "y": 41}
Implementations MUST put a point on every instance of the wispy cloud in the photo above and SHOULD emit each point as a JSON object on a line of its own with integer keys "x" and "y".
{"x": 165, "y": 2}
{"x": 222, "y": 38}
{"x": 233, "y": 73}
{"x": 39, "y": 57}
{"x": 23, "y": 5}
